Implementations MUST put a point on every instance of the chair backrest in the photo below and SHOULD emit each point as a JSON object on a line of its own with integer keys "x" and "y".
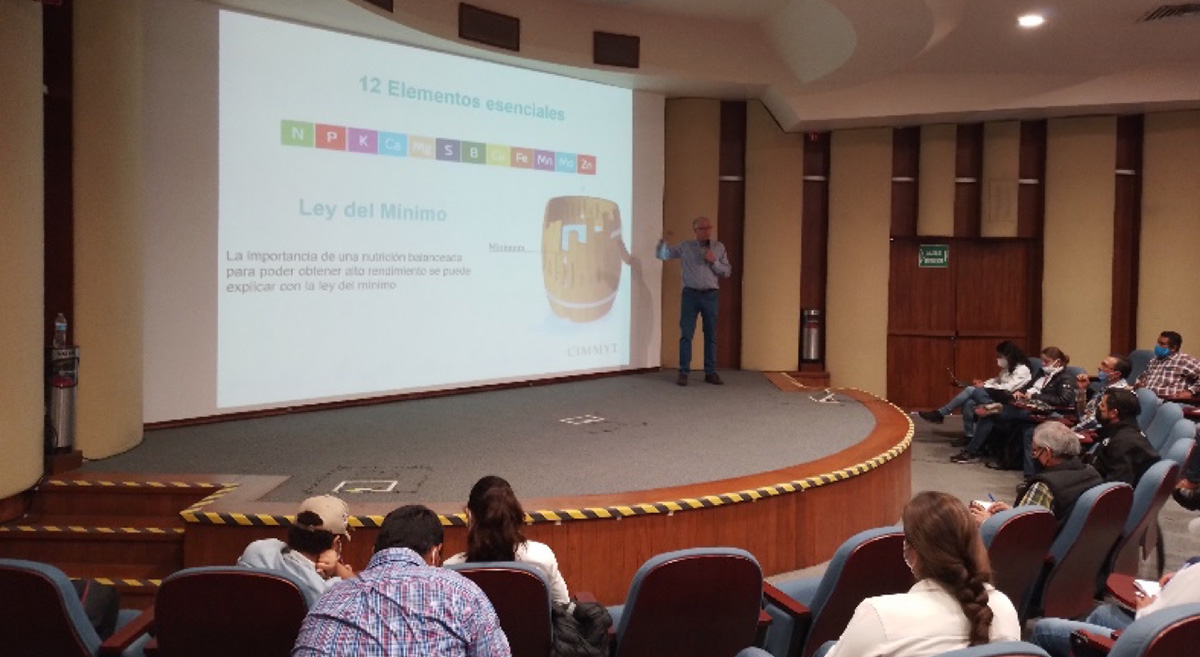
{"x": 42, "y": 613}
{"x": 1184, "y": 429}
{"x": 1172, "y": 632}
{"x": 1067, "y": 586}
{"x": 1139, "y": 359}
{"x": 232, "y": 611}
{"x": 1017, "y": 541}
{"x": 1152, "y": 492}
{"x": 1159, "y": 431}
{"x": 1035, "y": 367}
{"x": 1180, "y": 451}
{"x": 521, "y": 596}
{"x": 999, "y": 649}
{"x": 1149, "y": 403}
{"x": 868, "y": 564}
{"x": 702, "y": 602}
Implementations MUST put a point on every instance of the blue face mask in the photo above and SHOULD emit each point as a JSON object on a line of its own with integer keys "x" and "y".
{"x": 1102, "y": 375}
{"x": 1161, "y": 351}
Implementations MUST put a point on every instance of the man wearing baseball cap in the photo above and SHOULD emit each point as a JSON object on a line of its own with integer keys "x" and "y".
{"x": 313, "y": 548}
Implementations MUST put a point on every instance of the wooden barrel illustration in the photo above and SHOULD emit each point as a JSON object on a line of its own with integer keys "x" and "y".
{"x": 581, "y": 256}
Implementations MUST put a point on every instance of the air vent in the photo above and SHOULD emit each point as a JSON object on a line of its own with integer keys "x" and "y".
{"x": 1189, "y": 10}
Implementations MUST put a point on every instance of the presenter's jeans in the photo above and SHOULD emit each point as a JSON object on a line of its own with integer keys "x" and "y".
{"x": 704, "y": 303}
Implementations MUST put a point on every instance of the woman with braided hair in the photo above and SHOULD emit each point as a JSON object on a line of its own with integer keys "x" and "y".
{"x": 951, "y": 606}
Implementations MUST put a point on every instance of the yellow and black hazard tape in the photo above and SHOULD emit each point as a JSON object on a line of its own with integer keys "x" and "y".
{"x": 94, "y": 483}
{"x": 126, "y": 581}
{"x": 81, "y": 529}
{"x": 194, "y": 515}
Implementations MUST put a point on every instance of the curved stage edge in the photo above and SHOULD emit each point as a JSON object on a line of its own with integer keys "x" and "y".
{"x": 789, "y": 518}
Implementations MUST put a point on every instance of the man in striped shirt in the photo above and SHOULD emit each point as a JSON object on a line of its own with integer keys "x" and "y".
{"x": 703, "y": 260}
{"x": 402, "y": 605}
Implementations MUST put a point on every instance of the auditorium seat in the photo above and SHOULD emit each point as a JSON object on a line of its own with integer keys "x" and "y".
{"x": 806, "y": 613}
{"x": 699, "y": 602}
{"x": 1171, "y": 632}
{"x": 1149, "y": 403}
{"x": 1066, "y": 587}
{"x": 1180, "y": 450}
{"x": 1017, "y": 541}
{"x": 998, "y": 649}
{"x": 1141, "y": 527}
{"x": 227, "y": 610}
{"x": 1184, "y": 429}
{"x": 42, "y": 615}
{"x": 1160, "y": 430}
{"x": 521, "y": 596}
{"x": 1139, "y": 360}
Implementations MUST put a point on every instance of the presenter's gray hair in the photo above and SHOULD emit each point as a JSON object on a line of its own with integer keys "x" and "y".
{"x": 1057, "y": 438}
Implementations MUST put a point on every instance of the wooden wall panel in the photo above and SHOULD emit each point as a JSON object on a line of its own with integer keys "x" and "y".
{"x": 1127, "y": 231}
{"x": 731, "y": 220}
{"x": 920, "y": 300}
{"x": 917, "y": 370}
{"x": 814, "y": 234}
{"x": 968, "y": 177}
{"x": 906, "y": 171}
{"x": 993, "y": 295}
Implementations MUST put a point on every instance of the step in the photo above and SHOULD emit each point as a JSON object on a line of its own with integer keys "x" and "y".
{"x": 98, "y": 520}
{"x": 156, "y": 547}
{"x": 118, "y": 496}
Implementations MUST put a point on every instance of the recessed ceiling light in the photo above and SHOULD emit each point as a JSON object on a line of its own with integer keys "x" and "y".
{"x": 1031, "y": 20}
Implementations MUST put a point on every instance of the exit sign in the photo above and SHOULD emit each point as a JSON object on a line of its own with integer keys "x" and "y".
{"x": 934, "y": 255}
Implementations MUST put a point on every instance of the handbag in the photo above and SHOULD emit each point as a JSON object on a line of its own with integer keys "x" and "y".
{"x": 580, "y": 629}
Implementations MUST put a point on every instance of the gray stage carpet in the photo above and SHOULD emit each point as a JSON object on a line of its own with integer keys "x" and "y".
{"x": 619, "y": 433}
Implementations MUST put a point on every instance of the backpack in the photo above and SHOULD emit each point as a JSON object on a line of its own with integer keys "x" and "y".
{"x": 101, "y": 602}
{"x": 580, "y": 629}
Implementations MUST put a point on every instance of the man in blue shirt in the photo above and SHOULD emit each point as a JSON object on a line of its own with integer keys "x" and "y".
{"x": 402, "y": 605}
{"x": 703, "y": 260}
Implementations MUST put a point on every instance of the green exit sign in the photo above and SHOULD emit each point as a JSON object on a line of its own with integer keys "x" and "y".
{"x": 934, "y": 255}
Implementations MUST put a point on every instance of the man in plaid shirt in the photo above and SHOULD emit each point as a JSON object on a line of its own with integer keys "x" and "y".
{"x": 1171, "y": 374}
{"x": 402, "y": 605}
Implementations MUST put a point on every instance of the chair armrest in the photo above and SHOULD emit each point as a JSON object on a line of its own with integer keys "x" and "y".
{"x": 1090, "y": 644}
{"x": 151, "y": 648}
{"x": 127, "y": 634}
{"x": 785, "y": 602}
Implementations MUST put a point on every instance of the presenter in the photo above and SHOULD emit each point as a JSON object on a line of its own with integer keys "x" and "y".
{"x": 703, "y": 260}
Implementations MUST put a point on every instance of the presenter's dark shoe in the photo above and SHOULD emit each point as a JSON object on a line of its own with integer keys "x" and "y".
{"x": 964, "y": 457}
{"x": 714, "y": 379}
{"x": 935, "y": 417}
{"x": 681, "y": 380}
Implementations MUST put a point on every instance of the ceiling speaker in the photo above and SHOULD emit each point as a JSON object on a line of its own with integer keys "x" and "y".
{"x": 489, "y": 27}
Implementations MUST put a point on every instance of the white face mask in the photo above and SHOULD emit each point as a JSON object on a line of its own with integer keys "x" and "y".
{"x": 1002, "y": 362}
{"x": 1052, "y": 368}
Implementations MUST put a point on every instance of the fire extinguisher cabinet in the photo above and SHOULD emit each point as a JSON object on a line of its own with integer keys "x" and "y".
{"x": 62, "y": 382}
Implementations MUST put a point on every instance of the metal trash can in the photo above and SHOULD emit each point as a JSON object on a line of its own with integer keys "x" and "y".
{"x": 62, "y": 379}
{"x": 810, "y": 335}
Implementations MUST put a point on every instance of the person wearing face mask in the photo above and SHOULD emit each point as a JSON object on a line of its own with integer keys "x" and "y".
{"x": 1171, "y": 374}
{"x": 1014, "y": 420}
{"x": 1014, "y": 375}
{"x": 1123, "y": 453}
{"x": 1060, "y": 477}
{"x": 1111, "y": 373}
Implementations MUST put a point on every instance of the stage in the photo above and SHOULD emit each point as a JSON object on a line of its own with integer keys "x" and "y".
{"x": 611, "y": 470}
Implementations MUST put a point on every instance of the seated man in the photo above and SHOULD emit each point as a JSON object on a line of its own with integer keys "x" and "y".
{"x": 1112, "y": 374}
{"x": 313, "y": 547}
{"x": 1061, "y": 477}
{"x": 1183, "y": 587}
{"x": 1123, "y": 453}
{"x": 403, "y": 605}
{"x": 1171, "y": 374}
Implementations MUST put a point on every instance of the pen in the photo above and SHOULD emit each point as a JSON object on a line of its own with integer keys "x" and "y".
{"x": 990, "y": 497}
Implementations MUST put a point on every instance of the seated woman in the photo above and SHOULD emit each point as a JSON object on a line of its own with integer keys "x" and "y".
{"x": 1054, "y": 388}
{"x": 1014, "y": 375}
{"x": 494, "y": 519}
{"x": 952, "y": 605}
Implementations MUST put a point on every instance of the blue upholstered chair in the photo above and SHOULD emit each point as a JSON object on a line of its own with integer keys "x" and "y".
{"x": 1161, "y": 427}
{"x": 231, "y": 611}
{"x": 1139, "y": 359}
{"x": 43, "y": 616}
{"x": 1171, "y": 632}
{"x": 1017, "y": 542}
{"x": 806, "y": 613}
{"x": 1180, "y": 450}
{"x": 1184, "y": 429}
{"x": 521, "y": 596}
{"x": 1140, "y": 532}
{"x": 700, "y": 602}
{"x": 1149, "y": 403}
{"x": 998, "y": 649}
{"x": 1067, "y": 585}
{"x": 752, "y": 652}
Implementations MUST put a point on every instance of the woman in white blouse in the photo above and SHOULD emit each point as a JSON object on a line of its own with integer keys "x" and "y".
{"x": 952, "y": 605}
{"x": 494, "y": 520}
{"x": 1014, "y": 374}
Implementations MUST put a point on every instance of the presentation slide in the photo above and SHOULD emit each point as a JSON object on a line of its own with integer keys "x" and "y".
{"x": 391, "y": 219}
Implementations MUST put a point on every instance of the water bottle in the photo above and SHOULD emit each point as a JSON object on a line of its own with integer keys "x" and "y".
{"x": 663, "y": 251}
{"x": 60, "y": 331}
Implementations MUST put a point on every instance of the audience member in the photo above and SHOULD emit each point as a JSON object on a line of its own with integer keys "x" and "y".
{"x": 1014, "y": 375}
{"x": 1053, "y": 388}
{"x": 1171, "y": 374}
{"x": 494, "y": 519}
{"x": 1123, "y": 453}
{"x": 402, "y": 605}
{"x": 1112, "y": 374}
{"x": 1060, "y": 479}
{"x": 951, "y": 606}
{"x": 313, "y": 548}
